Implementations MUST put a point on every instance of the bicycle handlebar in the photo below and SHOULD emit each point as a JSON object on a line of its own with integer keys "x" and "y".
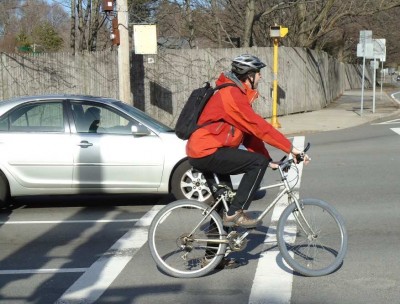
{"x": 285, "y": 164}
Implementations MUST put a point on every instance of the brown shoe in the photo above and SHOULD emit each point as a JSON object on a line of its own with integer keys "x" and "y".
{"x": 239, "y": 219}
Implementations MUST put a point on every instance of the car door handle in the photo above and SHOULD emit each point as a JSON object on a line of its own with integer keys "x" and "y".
{"x": 85, "y": 144}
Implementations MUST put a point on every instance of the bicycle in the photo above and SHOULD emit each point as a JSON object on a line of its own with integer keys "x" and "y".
{"x": 311, "y": 234}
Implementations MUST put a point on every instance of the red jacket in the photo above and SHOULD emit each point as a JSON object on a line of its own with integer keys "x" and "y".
{"x": 235, "y": 123}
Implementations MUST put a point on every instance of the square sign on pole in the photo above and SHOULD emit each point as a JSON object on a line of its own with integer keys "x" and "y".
{"x": 145, "y": 38}
{"x": 366, "y": 36}
{"x": 379, "y": 54}
{"x": 365, "y": 50}
{"x": 380, "y": 49}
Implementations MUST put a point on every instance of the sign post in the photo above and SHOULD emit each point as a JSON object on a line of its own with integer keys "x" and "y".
{"x": 365, "y": 50}
{"x": 380, "y": 54}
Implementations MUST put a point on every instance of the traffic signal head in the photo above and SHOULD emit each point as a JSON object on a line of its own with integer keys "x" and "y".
{"x": 278, "y": 31}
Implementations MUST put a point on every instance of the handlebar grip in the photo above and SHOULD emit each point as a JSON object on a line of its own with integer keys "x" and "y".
{"x": 300, "y": 157}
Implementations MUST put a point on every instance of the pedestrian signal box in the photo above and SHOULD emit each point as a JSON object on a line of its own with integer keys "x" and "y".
{"x": 108, "y": 5}
{"x": 278, "y": 31}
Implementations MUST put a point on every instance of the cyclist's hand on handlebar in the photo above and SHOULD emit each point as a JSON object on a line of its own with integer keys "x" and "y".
{"x": 273, "y": 165}
{"x": 299, "y": 156}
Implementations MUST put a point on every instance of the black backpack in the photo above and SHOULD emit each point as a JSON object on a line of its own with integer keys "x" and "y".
{"x": 187, "y": 120}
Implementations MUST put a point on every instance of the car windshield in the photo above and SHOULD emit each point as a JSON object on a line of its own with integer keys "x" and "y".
{"x": 153, "y": 123}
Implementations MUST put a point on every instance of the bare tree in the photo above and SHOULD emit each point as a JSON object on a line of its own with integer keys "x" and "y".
{"x": 73, "y": 30}
{"x": 87, "y": 20}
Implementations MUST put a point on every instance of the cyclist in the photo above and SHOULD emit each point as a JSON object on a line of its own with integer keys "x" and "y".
{"x": 230, "y": 121}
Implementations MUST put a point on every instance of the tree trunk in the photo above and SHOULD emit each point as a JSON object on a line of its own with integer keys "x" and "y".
{"x": 302, "y": 22}
{"x": 216, "y": 22}
{"x": 249, "y": 21}
{"x": 73, "y": 23}
{"x": 95, "y": 25}
{"x": 189, "y": 22}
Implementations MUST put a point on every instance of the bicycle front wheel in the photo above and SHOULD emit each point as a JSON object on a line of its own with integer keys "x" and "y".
{"x": 313, "y": 245}
{"x": 183, "y": 242}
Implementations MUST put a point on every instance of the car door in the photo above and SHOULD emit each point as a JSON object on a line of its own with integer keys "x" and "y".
{"x": 35, "y": 145}
{"x": 108, "y": 156}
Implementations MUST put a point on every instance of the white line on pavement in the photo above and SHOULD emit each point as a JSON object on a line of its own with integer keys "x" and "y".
{"x": 66, "y": 222}
{"x": 397, "y": 130}
{"x": 43, "y": 271}
{"x": 272, "y": 284}
{"x": 388, "y": 122}
{"x": 92, "y": 284}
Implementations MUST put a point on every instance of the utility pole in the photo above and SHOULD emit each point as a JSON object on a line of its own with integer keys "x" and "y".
{"x": 124, "y": 78}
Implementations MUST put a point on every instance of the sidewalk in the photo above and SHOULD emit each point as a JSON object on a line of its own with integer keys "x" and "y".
{"x": 342, "y": 113}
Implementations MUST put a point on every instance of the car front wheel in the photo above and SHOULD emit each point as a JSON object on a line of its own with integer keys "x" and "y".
{"x": 188, "y": 183}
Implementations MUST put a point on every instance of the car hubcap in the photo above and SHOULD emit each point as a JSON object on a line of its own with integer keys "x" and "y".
{"x": 194, "y": 186}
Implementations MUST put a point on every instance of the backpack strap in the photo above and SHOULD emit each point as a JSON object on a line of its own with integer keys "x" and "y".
{"x": 224, "y": 85}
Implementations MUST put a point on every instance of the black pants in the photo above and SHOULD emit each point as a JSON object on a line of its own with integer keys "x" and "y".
{"x": 232, "y": 161}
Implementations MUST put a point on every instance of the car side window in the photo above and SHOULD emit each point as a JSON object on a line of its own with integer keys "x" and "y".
{"x": 35, "y": 117}
{"x": 90, "y": 118}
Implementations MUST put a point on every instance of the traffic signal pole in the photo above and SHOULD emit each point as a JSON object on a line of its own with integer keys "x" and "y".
{"x": 274, "y": 120}
{"x": 276, "y": 32}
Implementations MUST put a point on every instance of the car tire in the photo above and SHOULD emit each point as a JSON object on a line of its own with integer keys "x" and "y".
{"x": 4, "y": 191}
{"x": 188, "y": 183}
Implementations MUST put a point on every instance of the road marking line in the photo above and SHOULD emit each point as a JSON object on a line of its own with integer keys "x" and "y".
{"x": 94, "y": 282}
{"x": 273, "y": 280}
{"x": 388, "y": 122}
{"x": 397, "y": 130}
{"x": 66, "y": 222}
{"x": 43, "y": 271}
{"x": 398, "y": 101}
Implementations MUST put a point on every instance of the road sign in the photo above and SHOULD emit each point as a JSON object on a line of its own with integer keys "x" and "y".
{"x": 365, "y": 49}
{"x": 366, "y": 36}
{"x": 380, "y": 49}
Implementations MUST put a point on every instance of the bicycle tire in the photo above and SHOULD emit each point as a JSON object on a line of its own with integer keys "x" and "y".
{"x": 316, "y": 255}
{"x": 178, "y": 254}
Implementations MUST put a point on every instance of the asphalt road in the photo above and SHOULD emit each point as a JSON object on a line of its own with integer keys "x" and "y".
{"x": 55, "y": 246}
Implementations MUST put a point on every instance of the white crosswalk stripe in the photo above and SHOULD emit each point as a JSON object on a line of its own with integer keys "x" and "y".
{"x": 273, "y": 282}
{"x": 95, "y": 281}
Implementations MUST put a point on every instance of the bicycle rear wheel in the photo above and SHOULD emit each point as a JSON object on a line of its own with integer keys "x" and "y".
{"x": 180, "y": 238}
{"x": 315, "y": 253}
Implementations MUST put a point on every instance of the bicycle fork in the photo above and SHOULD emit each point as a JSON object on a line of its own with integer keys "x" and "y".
{"x": 308, "y": 230}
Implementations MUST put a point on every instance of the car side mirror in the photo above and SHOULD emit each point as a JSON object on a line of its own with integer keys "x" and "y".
{"x": 140, "y": 130}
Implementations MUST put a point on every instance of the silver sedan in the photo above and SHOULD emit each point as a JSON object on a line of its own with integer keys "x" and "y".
{"x": 73, "y": 144}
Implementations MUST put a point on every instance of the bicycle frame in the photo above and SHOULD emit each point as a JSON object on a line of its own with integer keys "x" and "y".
{"x": 285, "y": 191}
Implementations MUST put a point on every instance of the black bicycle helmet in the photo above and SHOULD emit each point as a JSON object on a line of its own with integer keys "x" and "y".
{"x": 246, "y": 63}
